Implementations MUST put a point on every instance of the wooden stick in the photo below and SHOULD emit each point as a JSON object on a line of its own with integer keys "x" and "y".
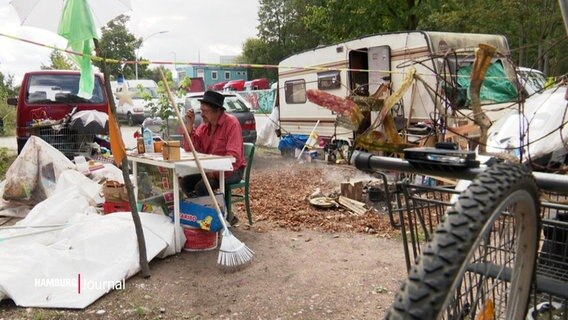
{"x": 142, "y": 255}
{"x": 197, "y": 161}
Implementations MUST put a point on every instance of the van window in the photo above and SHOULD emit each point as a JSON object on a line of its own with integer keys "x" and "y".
{"x": 295, "y": 91}
{"x": 60, "y": 88}
{"x": 140, "y": 92}
{"x": 329, "y": 80}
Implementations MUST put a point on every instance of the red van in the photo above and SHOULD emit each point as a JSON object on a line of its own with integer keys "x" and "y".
{"x": 234, "y": 85}
{"x": 47, "y": 96}
{"x": 217, "y": 86}
{"x": 257, "y": 84}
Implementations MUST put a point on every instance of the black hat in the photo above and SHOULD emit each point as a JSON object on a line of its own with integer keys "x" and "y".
{"x": 213, "y": 98}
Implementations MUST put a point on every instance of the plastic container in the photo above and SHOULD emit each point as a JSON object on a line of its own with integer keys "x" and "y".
{"x": 81, "y": 164}
{"x": 199, "y": 240}
{"x": 148, "y": 137}
{"x": 140, "y": 145}
{"x": 112, "y": 206}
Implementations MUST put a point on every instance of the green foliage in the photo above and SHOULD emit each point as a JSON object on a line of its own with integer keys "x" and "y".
{"x": 287, "y": 27}
{"x": 335, "y": 21}
{"x": 8, "y": 116}
{"x": 59, "y": 62}
{"x": 281, "y": 33}
{"x": 153, "y": 74}
{"x": 534, "y": 28}
{"x": 163, "y": 108}
{"x": 118, "y": 43}
{"x": 7, "y": 88}
{"x": 5, "y": 162}
{"x": 7, "y": 112}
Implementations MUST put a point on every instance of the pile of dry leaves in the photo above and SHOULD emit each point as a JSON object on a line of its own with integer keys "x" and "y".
{"x": 280, "y": 188}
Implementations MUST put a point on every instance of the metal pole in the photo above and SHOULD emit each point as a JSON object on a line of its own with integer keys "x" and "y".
{"x": 368, "y": 162}
{"x": 564, "y": 10}
{"x": 136, "y": 65}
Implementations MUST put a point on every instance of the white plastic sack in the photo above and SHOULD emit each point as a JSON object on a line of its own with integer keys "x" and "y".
{"x": 41, "y": 266}
{"x": 541, "y": 126}
{"x": 109, "y": 172}
{"x": 34, "y": 173}
{"x": 267, "y": 134}
{"x": 100, "y": 250}
{"x": 73, "y": 179}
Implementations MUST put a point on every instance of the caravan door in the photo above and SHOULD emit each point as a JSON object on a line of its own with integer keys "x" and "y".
{"x": 377, "y": 59}
{"x": 379, "y": 66}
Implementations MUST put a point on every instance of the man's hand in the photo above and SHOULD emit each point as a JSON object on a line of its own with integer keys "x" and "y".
{"x": 189, "y": 118}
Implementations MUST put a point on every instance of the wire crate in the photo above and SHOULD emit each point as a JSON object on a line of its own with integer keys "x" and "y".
{"x": 422, "y": 207}
{"x": 70, "y": 143}
{"x": 550, "y": 294}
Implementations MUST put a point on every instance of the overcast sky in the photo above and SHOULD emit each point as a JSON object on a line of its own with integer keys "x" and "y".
{"x": 198, "y": 31}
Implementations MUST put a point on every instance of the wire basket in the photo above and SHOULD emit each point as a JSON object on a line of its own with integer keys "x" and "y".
{"x": 69, "y": 142}
{"x": 422, "y": 207}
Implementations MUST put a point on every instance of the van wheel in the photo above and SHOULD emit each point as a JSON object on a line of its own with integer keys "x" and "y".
{"x": 129, "y": 119}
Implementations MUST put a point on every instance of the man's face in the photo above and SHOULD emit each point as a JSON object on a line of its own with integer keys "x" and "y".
{"x": 209, "y": 114}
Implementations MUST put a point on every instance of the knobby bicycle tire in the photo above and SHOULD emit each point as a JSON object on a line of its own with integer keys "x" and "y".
{"x": 446, "y": 268}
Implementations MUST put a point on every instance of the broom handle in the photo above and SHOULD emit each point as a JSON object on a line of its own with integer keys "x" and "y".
{"x": 197, "y": 161}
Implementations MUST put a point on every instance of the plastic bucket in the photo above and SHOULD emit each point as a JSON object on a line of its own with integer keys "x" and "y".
{"x": 199, "y": 240}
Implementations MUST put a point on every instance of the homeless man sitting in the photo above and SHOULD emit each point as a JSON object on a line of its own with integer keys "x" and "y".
{"x": 219, "y": 134}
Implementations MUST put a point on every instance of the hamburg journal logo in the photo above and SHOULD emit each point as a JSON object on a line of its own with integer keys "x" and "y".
{"x": 80, "y": 284}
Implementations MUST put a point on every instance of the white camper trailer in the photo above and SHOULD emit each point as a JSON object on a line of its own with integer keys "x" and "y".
{"x": 361, "y": 65}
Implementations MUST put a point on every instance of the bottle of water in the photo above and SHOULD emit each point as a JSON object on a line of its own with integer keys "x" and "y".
{"x": 148, "y": 137}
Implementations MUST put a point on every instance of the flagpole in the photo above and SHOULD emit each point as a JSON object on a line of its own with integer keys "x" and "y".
{"x": 311, "y": 133}
{"x": 142, "y": 255}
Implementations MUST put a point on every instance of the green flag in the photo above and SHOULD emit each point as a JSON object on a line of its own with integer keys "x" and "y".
{"x": 78, "y": 27}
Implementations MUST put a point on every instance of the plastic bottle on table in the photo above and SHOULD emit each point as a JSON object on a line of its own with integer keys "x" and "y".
{"x": 148, "y": 137}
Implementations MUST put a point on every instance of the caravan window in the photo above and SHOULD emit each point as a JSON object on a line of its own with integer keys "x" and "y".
{"x": 329, "y": 80}
{"x": 295, "y": 91}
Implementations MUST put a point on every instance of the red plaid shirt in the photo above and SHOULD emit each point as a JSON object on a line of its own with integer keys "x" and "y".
{"x": 227, "y": 140}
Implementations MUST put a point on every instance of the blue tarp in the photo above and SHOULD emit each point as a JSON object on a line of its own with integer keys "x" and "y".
{"x": 292, "y": 141}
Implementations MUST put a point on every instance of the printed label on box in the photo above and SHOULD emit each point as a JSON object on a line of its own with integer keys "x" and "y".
{"x": 200, "y": 213}
{"x": 168, "y": 197}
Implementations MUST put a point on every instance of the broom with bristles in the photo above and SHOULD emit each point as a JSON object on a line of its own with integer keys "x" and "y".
{"x": 233, "y": 252}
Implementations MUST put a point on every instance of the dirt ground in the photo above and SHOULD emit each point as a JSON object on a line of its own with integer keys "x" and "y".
{"x": 309, "y": 263}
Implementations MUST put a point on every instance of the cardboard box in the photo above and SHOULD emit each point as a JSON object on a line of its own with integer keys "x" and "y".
{"x": 200, "y": 212}
{"x": 171, "y": 150}
{"x": 114, "y": 191}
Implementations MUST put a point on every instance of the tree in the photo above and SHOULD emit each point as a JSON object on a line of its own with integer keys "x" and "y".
{"x": 533, "y": 28}
{"x": 7, "y": 113}
{"x": 256, "y": 51}
{"x": 119, "y": 44}
{"x": 341, "y": 20}
{"x": 59, "y": 62}
{"x": 287, "y": 27}
{"x": 7, "y": 88}
{"x": 281, "y": 33}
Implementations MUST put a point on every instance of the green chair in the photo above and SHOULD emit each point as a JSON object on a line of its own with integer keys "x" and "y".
{"x": 231, "y": 197}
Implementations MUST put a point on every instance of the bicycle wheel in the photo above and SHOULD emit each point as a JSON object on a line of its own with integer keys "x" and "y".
{"x": 483, "y": 252}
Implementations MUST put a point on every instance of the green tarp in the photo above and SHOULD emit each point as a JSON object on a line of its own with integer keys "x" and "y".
{"x": 496, "y": 87}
